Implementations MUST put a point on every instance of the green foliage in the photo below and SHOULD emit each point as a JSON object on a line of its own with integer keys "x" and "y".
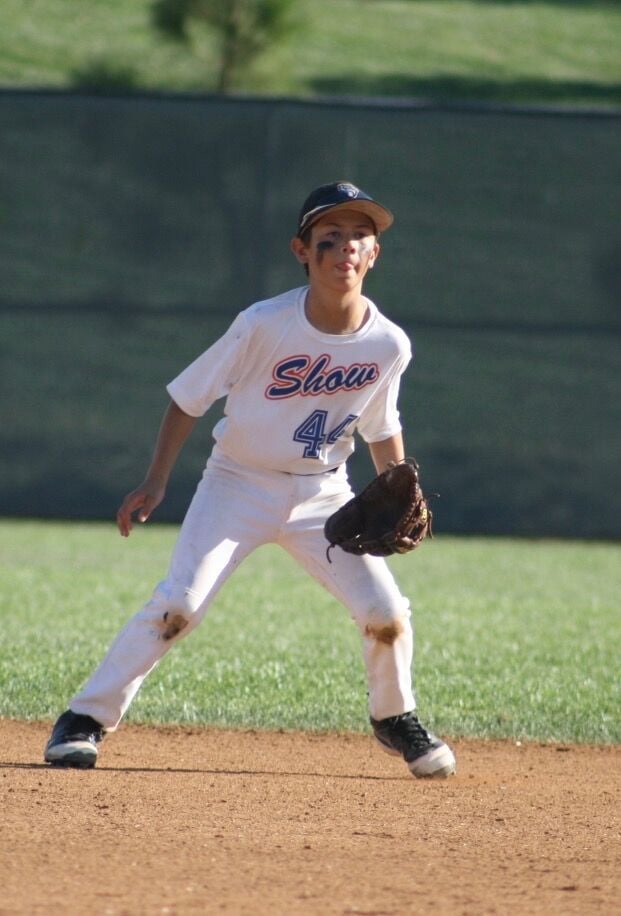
{"x": 550, "y": 51}
{"x": 245, "y": 28}
{"x": 515, "y": 639}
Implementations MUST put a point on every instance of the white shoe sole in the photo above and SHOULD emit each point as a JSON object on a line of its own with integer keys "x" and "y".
{"x": 81, "y": 754}
{"x": 438, "y": 763}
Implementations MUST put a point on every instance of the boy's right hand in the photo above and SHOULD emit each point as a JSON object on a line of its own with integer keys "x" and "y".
{"x": 144, "y": 499}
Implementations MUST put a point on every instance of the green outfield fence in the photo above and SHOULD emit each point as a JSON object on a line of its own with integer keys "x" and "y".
{"x": 133, "y": 229}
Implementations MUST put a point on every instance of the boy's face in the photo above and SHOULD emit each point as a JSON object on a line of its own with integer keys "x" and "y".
{"x": 342, "y": 248}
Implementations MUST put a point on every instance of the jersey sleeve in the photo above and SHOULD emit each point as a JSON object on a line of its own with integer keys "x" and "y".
{"x": 381, "y": 418}
{"x": 212, "y": 375}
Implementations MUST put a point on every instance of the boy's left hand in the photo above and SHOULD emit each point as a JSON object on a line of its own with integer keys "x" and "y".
{"x": 391, "y": 515}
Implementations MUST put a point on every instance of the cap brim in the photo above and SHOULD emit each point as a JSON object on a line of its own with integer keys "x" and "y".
{"x": 381, "y": 217}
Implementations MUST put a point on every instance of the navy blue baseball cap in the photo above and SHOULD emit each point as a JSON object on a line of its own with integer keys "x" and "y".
{"x": 342, "y": 194}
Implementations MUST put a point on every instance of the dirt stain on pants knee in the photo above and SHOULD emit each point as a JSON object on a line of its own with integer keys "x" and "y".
{"x": 385, "y": 633}
{"x": 173, "y": 625}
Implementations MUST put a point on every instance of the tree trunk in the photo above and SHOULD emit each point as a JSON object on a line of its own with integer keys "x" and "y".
{"x": 230, "y": 48}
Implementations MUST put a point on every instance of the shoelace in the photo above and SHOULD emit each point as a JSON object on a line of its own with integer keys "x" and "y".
{"x": 408, "y": 729}
{"x": 82, "y": 728}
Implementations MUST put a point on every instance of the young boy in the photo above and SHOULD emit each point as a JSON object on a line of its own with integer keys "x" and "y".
{"x": 300, "y": 372}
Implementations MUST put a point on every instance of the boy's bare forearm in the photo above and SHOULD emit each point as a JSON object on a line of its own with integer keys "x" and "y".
{"x": 175, "y": 428}
{"x": 382, "y": 453}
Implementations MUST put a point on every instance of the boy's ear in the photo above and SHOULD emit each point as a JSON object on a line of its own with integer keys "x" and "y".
{"x": 299, "y": 249}
{"x": 374, "y": 255}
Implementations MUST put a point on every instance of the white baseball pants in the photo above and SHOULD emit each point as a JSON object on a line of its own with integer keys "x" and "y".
{"x": 235, "y": 510}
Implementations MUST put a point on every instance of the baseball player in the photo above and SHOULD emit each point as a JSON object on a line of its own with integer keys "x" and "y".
{"x": 301, "y": 373}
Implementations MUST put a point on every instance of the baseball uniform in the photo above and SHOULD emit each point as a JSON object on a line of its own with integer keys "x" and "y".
{"x": 295, "y": 396}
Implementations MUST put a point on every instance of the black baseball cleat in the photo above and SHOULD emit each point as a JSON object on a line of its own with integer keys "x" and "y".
{"x": 404, "y": 736}
{"x": 73, "y": 742}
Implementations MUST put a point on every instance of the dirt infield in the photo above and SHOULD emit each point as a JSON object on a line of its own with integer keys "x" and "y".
{"x": 197, "y": 821}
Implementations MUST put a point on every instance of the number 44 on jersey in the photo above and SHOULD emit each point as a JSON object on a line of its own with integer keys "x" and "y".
{"x": 312, "y": 432}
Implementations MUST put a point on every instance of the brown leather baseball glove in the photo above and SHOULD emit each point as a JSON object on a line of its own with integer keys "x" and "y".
{"x": 391, "y": 515}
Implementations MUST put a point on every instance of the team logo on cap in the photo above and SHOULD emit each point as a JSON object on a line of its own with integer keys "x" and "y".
{"x": 350, "y": 189}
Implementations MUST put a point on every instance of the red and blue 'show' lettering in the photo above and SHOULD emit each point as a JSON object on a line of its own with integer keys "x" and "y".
{"x": 301, "y": 375}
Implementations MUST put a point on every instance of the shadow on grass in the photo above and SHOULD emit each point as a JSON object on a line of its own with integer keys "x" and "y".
{"x": 586, "y": 4}
{"x": 456, "y": 88}
{"x": 105, "y": 76}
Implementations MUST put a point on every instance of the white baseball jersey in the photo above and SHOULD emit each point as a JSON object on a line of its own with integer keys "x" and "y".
{"x": 295, "y": 395}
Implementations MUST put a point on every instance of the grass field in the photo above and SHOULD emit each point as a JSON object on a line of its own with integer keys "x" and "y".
{"x": 514, "y": 638}
{"x": 501, "y": 50}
